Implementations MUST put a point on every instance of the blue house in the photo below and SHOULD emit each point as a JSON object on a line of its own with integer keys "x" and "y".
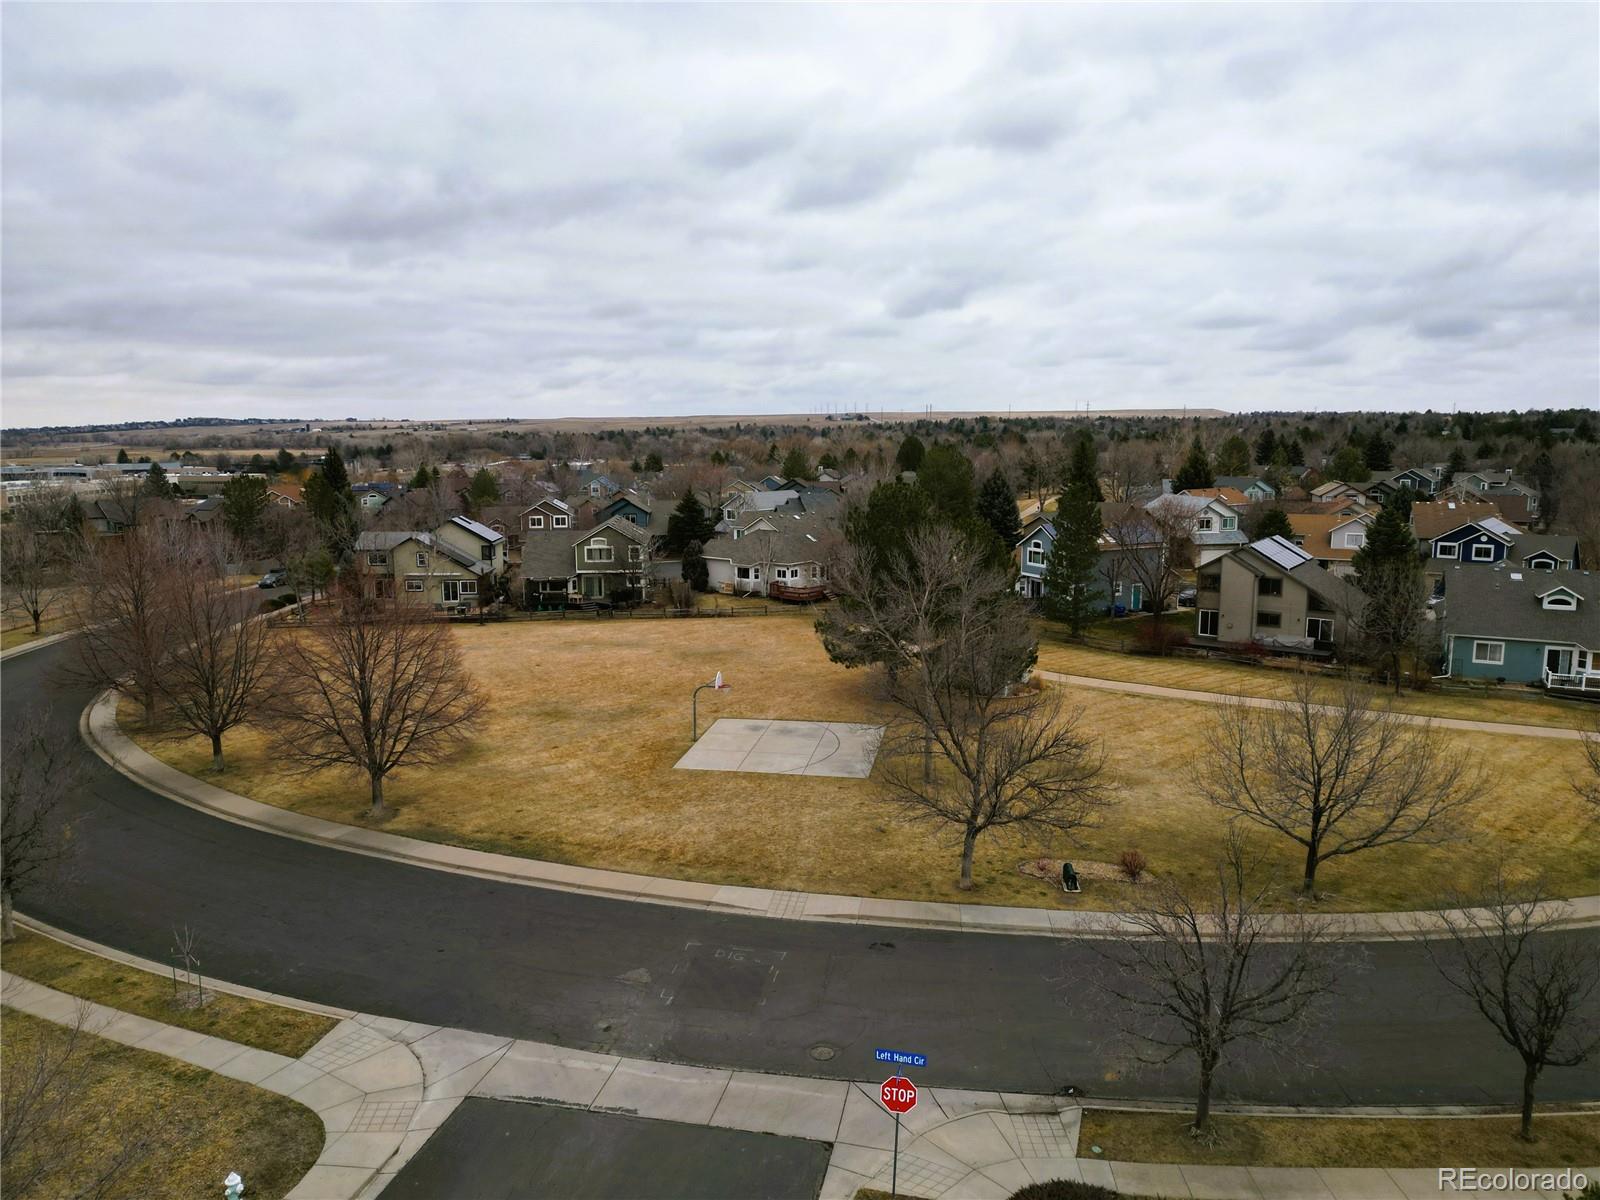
{"x": 630, "y": 506}
{"x": 1539, "y": 627}
{"x": 1486, "y": 541}
{"x": 1116, "y": 589}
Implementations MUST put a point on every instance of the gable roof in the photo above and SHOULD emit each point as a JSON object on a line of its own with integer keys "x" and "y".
{"x": 1503, "y": 602}
{"x": 1285, "y": 556}
{"x": 1562, "y": 546}
{"x": 477, "y": 530}
{"x": 1315, "y": 531}
{"x": 780, "y": 547}
{"x": 1431, "y": 518}
{"x": 612, "y": 524}
{"x": 547, "y": 554}
{"x": 1241, "y": 483}
{"x": 1231, "y": 495}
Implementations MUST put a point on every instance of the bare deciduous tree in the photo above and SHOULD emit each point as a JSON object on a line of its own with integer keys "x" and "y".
{"x": 1204, "y": 973}
{"x": 1537, "y": 986}
{"x": 1586, "y": 783}
{"x": 1155, "y": 544}
{"x": 1335, "y": 772}
{"x": 39, "y": 771}
{"x": 971, "y": 747}
{"x": 378, "y": 686}
{"x": 219, "y": 656}
{"x": 120, "y": 606}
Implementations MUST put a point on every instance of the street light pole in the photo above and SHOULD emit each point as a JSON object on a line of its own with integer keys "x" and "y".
{"x": 694, "y": 705}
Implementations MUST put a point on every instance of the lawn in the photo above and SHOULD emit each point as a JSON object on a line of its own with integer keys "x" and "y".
{"x": 1058, "y": 653}
{"x": 217, "y": 1124}
{"x": 249, "y": 1022}
{"x": 1342, "y": 1142}
{"x": 574, "y": 764}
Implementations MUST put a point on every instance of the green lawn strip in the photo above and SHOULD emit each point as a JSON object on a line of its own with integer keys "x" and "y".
{"x": 250, "y": 1022}
{"x": 215, "y": 1124}
{"x": 1341, "y": 1141}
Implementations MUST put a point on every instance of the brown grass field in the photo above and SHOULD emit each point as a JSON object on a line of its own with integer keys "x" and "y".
{"x": 1562, "y": 1141}
{"x": 573, "y": 763}
{"x": 268, "y": 1139}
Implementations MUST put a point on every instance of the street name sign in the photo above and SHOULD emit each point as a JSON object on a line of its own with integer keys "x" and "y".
{"x": 901, "y": 1058}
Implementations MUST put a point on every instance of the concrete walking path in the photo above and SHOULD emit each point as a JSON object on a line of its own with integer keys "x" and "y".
{"x": 382, "y": 1087}
{"x": 1171, "y": 693}
{"x": 100, "y": 729}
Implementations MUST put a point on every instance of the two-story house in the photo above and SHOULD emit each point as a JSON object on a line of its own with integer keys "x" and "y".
{"x": 1272, "y": 593}
{"x": 1254, "y": 490}
{"x": 1540, "y": 627}
{"x": 1117, "y": 588}
{"x": 611, "y": 559}
{"x": 776, "y": 556}
{"x": 1424, "y": 481}
{"x": 1331, "y": 538}
{"x": 1214, "y": 524}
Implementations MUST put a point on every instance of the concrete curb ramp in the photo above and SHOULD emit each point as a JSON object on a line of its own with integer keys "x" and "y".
{"x": 100, "y": 730}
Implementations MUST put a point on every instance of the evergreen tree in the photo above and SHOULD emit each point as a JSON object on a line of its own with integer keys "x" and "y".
{"x": 1543, "y": 475}
{"x": 828, "y": 462}
{"x": 1297, "y": 455}
{"x": 1069, "y": 571}
{"x": 258, "y": 465}
{"x": 1266, "y": 447}
{"x": 653, "y": 463}
{"x": 1233, "y": 457}
{"x": 772, "y": 452}
{"x": 1401, "y": 500}
{"x": 1083, "y": 466}
{"x": 909, "y": 456}
{"x": 337, "y": 477}
{"x": 1389, "y": 574}
{"x": 122, "y": 455}
{"x": 947, "y": 479}
{"x": 1350, "y": 465}
{"x": 1456, "y": 465}
{"x": 997, "y": 505}
{"x": 1379, "y": 453}
{"x": 483, "y": 489}
{"x": 156, "y": 483}
{"x": 284, "y": 462}
{"x": 695, "y": 572}
{"x": 1196, "y": 470}
{"x": 244, "y": 507}
{"x": 1275, "y": 523}
{"x": 689, "y": 522}
{"x": 421, "y": 479}
{"x": 795, "y": 465}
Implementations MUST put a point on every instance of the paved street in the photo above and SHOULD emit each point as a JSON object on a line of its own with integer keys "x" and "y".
{"x": 498, "y": 1150}
{"x": 1011, "y": 1013}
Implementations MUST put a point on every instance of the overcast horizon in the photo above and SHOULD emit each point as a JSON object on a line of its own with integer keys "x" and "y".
{"x": 432, "y": 212}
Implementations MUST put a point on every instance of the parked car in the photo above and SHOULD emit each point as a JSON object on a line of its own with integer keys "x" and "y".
{"x": 1186, "y": 598}
{"x": 274, "y": 578}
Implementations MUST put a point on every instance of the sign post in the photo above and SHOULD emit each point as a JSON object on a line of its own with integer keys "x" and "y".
{"x": 899, "y": 1095}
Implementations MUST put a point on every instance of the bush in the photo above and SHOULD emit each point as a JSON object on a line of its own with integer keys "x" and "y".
{"x": 1132, "y": 864}
{"x": 1155, "y": 636}
{"x": 1063, "y": 1189}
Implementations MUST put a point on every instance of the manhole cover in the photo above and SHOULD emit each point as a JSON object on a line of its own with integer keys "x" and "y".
{"x": 881, "y": 947}
{"x": 823, "y": 1053}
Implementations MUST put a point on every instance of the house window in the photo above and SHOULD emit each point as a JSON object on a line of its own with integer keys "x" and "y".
{"x": 558, "y": 522}
{"x": 1269, "y": 587}
{"x": 1209, "y": 581}
{"x": 1493, "y": 653}
{"x": 1319, "y": 629}
{"x": 1540, "y": 564}
{"x": 1116, "y": 591}
{"x": 1355, "y": 540}
{"x": 1560, "y": 600}
{"x": 635, "y": 553}
{"x": 469, "y": 587}
{"x": 1207, "y": 626}
{"x": 413, "y": 585}
{"x": 536, "y": 522}
{"x": 1483, "y": 552}
{"x": 1269, "y": 620}
{"x": 1036, "y": 554}
{"x": 486, "y": 552}
{"x": 1203, "y": 524}
{"x": 422, "y": 558}
{"x": 377, "y": 558}
{"x": 383, "y": 589}
{"x": 598, "y": 550}
{"x": 1229, "y": 524}
{"x": 1446, "y": 550}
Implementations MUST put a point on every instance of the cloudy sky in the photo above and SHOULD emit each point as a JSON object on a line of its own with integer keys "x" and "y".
{"x": 537, "y": 211}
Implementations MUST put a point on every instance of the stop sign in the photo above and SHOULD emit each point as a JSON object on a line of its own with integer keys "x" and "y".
{"x": 899, "y": 1094}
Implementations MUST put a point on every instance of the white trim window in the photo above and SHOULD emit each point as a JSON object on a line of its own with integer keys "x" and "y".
{"x": 1206, "y": 622}
{"x": 1202, "y": 524}
{"x": 1564, "y": 600}
{"x": 598, "y": 550}
{"x": 469, "y": 587}
{"x": 422, "y": 558}
{"x": 1491, "y": 653}
{"x": 1229, "y": 524}
{"x": 1319, "y": 629}
{"x": 559, "y": 522}
{"x": 1483, "y": 552}
{"x": 635, "y": 553}
{"x": 1446, "y": 550}
{"x": 1036, "y": 553}
{"x": 535, "y": 522}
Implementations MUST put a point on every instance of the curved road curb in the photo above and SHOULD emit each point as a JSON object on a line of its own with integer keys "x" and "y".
{"x": 99, "y": 728}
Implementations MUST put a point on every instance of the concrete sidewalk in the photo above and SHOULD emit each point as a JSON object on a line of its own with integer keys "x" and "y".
{"x": 100, "y": 730}
{"x": 383, "y": 1086}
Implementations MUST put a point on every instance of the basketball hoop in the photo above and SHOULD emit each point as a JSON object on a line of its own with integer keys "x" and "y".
{"x": 694, "y": 705}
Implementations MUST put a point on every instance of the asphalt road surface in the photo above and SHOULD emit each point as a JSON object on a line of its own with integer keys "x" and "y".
{"x": 652, "y": 981}
{"x": 499, "y": 1150}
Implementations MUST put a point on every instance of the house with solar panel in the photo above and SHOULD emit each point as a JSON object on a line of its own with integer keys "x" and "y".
{"x": 1271, "y": 593}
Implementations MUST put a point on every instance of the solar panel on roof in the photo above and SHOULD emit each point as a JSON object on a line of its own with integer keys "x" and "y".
{"x": 1280, "y": 552}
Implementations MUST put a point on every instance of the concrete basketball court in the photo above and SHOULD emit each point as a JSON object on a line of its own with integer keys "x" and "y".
{"x": 785, "y": 748}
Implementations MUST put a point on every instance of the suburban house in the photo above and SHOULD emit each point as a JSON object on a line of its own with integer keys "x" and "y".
{"x": 1517, "y": 498}
{"x": 1117, "y": 588}
{"x": 1228, "y": 495}
{"x": 1431, "y": 519}
{"x": 1331, "y": 538}
{"x": 609, "y": 559}
{"x": 1213, "y": 523}
{"x": 1546, "y": 551}
{"x": 471, "y": 537}
{"x": 1524, "y": 627}
{"x": 373, "y": 496}
{"x": 1255, "y": 491}
{"x": 1423, "y": 480}
{"x": 598, "y": 485}
{"x": 1272, "y": 593}
{"x": 284, "y": 495}
{"x": 765, "y": 559}
{"x": 549, "y": 513}
{"x": 418, "y": 566}
{"x": 739, "y": 504}
{"x": 1337, "y": 489}
{"x": 629, "y": 505}
{"x": 1486, "y": 540}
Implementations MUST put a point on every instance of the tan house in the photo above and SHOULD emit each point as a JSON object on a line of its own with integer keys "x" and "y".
{"x": 1272, "y": 593}
{"x": 285, "y": 495}
{"x": 1332, "y": 539}
{"x": 449, "y": 569}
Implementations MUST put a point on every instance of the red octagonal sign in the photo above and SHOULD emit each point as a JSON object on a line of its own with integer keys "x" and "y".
{"x": 899, "y": 1094}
